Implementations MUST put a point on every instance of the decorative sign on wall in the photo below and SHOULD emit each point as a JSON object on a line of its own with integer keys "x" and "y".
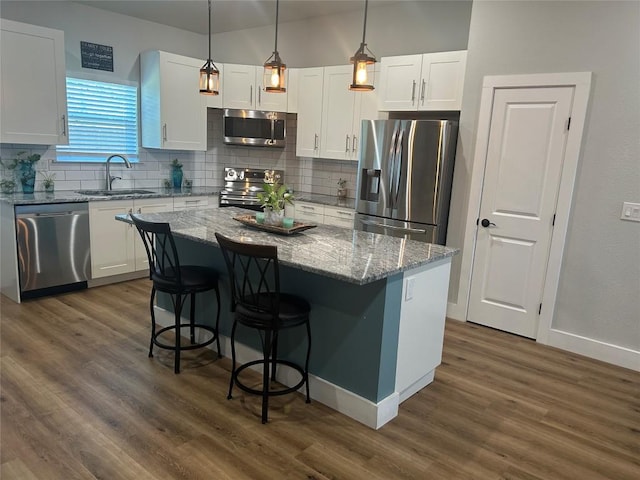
{"x": 98, "y": 57}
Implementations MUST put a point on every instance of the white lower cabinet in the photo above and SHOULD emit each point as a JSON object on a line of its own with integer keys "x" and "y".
{"x": 189, "y": 203}
{"x": 322, "y": 214}
{"x": 116, "y": 247}
{"x": 339, "y": 216}
{"x": 112, "y": 247}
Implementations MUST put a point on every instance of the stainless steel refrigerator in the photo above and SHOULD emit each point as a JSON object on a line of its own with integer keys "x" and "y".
{"x": 404, "y": 178}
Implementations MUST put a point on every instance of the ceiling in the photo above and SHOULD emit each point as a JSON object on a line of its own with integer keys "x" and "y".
{"x": 228, "y": 15}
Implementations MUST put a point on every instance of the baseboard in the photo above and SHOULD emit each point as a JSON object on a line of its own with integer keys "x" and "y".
{"x": 373, "y": 415}
{"x": 123, "y": 277}
{"x": 456, "y": 311}
{"x": 606, "y": 352}
{"x": 416, "y": 386}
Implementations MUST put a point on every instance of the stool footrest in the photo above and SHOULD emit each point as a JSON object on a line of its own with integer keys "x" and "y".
{"x": 283, "y": 391}
{"x": 188, "y": 346}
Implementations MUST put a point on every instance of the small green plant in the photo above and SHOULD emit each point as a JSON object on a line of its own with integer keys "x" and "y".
{"x": 275, "y": 196}
{"x": 166, "y": 183}
{"x": 48, "y": 179}
{"x": 342, "y": 183}
{"x": 7, "y": 186}
{"x": 175, "y": 163}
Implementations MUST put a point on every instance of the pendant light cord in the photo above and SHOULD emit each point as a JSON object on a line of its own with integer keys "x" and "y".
{"x": 364, "y": 28}
{"x": 277, "y": 11}
{"x": 209, "y": 68}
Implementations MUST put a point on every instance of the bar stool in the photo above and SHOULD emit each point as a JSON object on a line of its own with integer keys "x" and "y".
{"x": 258, "y": 303}
{"x": 179, "y": 281}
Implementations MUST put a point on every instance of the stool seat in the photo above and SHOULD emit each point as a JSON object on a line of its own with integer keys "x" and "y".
{"x": 179, "y": 281}
{"x": 258, "y": 303}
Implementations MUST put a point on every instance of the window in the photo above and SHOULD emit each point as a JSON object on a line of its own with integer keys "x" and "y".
{"x": 103, "y": 120}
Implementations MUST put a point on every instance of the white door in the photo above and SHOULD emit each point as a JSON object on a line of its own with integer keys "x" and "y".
{"x": 526, "y": 148}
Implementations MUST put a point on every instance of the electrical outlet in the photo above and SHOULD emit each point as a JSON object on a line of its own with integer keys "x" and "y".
{"x": 408, "y": 293}
{"x": 630, "y": 211}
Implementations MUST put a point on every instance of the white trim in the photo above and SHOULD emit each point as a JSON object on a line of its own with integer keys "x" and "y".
{"x": 373, "y": 415}
{"x": 581, "y": 81}
{"x": 606, "y": 352}
{"x": 457, "y": 311}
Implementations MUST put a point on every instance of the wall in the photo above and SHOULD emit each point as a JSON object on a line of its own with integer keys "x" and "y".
{"x": 427, "y": 26}
{"x": 599, "y": 291}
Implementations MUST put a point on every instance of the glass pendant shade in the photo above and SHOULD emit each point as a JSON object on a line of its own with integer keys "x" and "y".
{"x": 363, "y": 61}
{"x": 274, "y": 70}
{"x": 209, "y": 73}
{"x": 209, "y": 79}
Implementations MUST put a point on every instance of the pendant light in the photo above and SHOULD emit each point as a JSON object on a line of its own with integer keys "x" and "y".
{"x": 209, "y": 73}
{"x": 274, "y": 77}
{"x": 362, "y": 72}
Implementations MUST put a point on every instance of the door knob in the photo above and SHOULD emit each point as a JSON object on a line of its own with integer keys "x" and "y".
{"x": 485, "y": 223}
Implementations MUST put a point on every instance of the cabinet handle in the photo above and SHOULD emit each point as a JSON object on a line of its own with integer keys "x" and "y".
{"x": 424, "y": 84}
{"x": 346, "y": 146}
{"x": 251, "y": 94}
{"x": 164, "y": 132}
{"x": 259, "y": 96}
{"x": 139, "y": 210}
{"x": 346, "y": 214}
{"x": 315, "y": 141}
{"x": 64, "y": 125}
{"x": 354, "y": 144}
{"x": 413, "y": 92}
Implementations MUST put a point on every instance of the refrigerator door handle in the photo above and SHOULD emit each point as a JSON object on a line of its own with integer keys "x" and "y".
{"x": 398, "y": 166}
{"x": 392, "y": 227}
{"x": 392, "y": 158}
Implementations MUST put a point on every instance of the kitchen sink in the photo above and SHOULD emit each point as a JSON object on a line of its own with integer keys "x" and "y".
{"x": 108, "y": 193}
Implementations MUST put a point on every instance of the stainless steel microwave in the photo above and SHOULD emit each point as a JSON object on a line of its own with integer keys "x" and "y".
{"x": 254, "y": 128}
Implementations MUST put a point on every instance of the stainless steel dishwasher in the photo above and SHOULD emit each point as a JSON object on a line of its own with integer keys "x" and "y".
{"x": 53, "y": 248}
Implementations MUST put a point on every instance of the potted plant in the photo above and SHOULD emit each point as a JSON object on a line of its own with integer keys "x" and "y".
{"x": 342, "y": 189}
{"x": 7, "y": 186}
{"x": 25, "y": 168}
{"x": 176, "y": 173}
{"x": 48, "y": 181}
{"x": 166, "y": 183}
{"x": 273, "y": 198}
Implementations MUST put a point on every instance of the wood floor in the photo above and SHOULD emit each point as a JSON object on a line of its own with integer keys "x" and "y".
{"x": 81, "y": 400}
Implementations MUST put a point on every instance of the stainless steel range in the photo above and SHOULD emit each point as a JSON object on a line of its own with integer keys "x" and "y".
{"x": 242, "y": 185}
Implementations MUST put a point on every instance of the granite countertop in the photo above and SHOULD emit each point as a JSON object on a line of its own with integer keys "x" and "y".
{"x": 341, "y": 253}
{"x": 70, "y": 196}
{"x": 330, "y": 200}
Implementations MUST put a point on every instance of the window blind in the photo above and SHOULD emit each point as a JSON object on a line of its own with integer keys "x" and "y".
{"x": 102, "y": 120}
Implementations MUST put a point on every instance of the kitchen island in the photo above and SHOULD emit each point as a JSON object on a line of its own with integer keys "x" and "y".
{"x": 378, "y": 306}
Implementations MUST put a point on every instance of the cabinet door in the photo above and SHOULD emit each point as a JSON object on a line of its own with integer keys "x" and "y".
{"x": 184, "y": 110}
{"x": 215, "y": 101}
{"x": 340, "y": 217}
{"x": 112, "y": 250}
{"x": 34, "y": 102}
{"x": 173, "y": 113}
{"x": 365, "y": 108}
{"x": 309, "y": 213}
{"x": 442, "y": 80}
{"x": 309, "y": 112}
{"x": 272, "y": 102}
{"x": 191, "y": 203}
{"x": 337, "y": 113}
{"x": 399, "y": 82}
{"x": 239, "y": 86}
{"x": 148, "y": 205}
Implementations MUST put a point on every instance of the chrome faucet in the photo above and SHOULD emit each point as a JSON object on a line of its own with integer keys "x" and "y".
{"x": 110, "y": 178}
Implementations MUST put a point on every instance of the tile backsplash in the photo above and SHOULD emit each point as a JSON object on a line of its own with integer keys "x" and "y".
{"x": 203, "y": 168}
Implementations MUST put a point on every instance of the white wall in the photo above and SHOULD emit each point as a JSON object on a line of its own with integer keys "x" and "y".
{"x": 599, "y": 291}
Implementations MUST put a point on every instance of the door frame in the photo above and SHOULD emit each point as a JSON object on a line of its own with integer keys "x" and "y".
{"x": 581, "y": 81}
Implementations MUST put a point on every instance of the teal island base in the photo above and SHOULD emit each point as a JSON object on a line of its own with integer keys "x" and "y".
{"x": 373, "y": 345}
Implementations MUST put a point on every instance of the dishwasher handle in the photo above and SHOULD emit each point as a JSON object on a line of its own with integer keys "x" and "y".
{"x": 50, "y": 215}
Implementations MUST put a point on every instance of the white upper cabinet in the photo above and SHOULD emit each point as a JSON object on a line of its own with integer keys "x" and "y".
{"x": 174, "y": 113}
{"x": 309, "y": 111}
{"x": 32, "y": 79}
{"x": 338, "y": 103}
{"x": 431, "y": 81}
{"x": 243, "y": 89}
{"x": 342, "y": 113}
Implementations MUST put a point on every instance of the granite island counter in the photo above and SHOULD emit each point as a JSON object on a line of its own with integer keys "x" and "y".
{"x": 378, "y": 306}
